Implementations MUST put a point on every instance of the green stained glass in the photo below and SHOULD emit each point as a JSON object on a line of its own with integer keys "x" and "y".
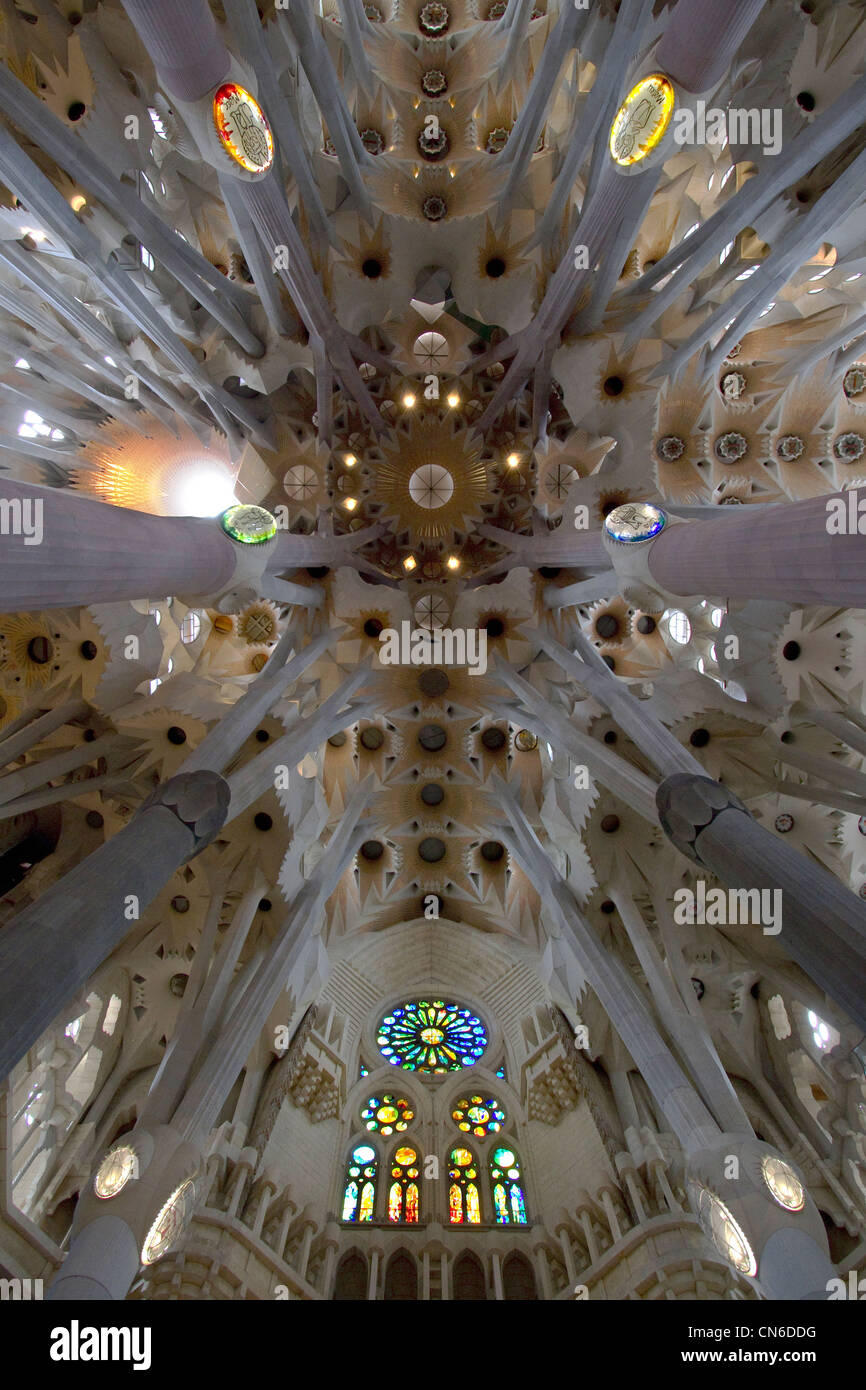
{"x": 475, "y": 1114}
{"x": 387, "y": 1114}
{"x": 403, "y": 1193}
{"x": 350, "y": 1201}
{"x": 500, "y": 1203}
{"x": 464, "y": 1203}
{"x": 249, "y": 525}
{"x": 508, "y": 1200}
{"x": 359, "y": 1194}
{"x": 431, "y": 1036}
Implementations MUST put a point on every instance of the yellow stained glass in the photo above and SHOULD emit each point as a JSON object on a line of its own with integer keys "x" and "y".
{"x": 243, "y": 128}
{"x": 411, "y": 1202}
{"x": 350, "y": 1202}
{"x": 461, "y": 1157}
{"x": 455, "y": 1204}
{"x": 473, "y": 1206}
{"x": 367, "y": 1196}
{"x": 405, "y": 1156}
{"x": 395, "y": 1202}
{"x": 641, "y": 121}
{"x": 500, "y": 1202}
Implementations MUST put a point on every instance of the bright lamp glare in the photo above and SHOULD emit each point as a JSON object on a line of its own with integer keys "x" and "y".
{"x": 202, "y": 489}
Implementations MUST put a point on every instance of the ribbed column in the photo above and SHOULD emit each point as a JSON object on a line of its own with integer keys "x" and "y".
{"x": 781, "y": 551}
{"x": 182, "y": 38}
{"x": 51, "y": 949}
{"x": 702, "y": 37}
{"x": 822, "y": 923}
{"x": 60, "y": 550}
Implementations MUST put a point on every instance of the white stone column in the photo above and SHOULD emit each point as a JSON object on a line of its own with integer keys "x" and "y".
{"x": 584, "y": 1216}
{"x": 610, "y": 1213}
{"x": 52, "y": 948}
{"x": 567, "y": 1253}
{"x": 304, "y": 1252}
{"x": 701, "y": 39}
{"x": 496, "y": 1265}
{"x": 542, "y": 1270}
{"x": 268, "y": 1188}
{"x": 91, "y": 552}
{"x": 445, "y": 1274}
{"x": 781, "y": 552}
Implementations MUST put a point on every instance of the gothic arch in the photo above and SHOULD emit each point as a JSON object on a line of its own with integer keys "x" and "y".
{"x": 401, "y": 1277}
{"x": 351, "y": 1281}
{"x": 468, "y": 1279}
{"x": 518, "y": 1278}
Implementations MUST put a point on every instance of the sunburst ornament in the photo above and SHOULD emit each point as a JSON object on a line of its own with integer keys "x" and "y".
{"x": 243, "y": 128}
{"x": 432, "y": 481}
{"x": 431, "y": 486}
{"x": 27, "y": 652}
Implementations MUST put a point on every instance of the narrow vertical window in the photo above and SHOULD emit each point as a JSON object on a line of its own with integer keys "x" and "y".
{"x": 359, "y": 1195}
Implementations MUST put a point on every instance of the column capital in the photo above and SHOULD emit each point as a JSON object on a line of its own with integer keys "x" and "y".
{"x": 687, "y": 804}
{"x": 200, "y": 800}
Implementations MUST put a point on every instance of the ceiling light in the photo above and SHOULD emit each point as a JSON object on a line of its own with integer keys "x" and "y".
{"x": 350, "y": 460}
{"x": 78, "y": 202}
{"x": 408, "y": 400}
{"x": 453, "y": 562}
{"x": 410, "y": 563}
{"x": 350, "y": 503}
{"x": 35, "y": 232}
{"x": 513, "y": 460}
{"x": 453, "y": 400}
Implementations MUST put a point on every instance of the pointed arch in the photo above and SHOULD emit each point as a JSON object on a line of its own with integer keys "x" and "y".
{"x": 468, "y": 1282}
{"x": 401, "y": 1277}
{"x": 518, "y": 1278}
{"x": 351, "y": 1281}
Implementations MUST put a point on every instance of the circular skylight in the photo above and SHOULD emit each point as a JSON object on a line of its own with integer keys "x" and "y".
{"x": 431, "y": 486}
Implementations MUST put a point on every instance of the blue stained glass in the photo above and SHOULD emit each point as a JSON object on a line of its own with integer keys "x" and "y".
{"x": 508, "y": 1196}
{"x": 360, "y": 1189}
{"x": 500, "y": 1203}
{"x": 431, "y": 1036}
{"x": 350, "y": 1202}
